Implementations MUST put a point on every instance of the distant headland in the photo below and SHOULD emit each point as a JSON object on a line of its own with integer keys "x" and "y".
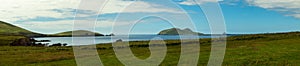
{"x": 177, "y": 31}
{"x": 76, "y": 33}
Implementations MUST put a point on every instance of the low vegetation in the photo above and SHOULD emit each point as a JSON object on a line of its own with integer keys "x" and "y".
{"x": 246, "y": 50}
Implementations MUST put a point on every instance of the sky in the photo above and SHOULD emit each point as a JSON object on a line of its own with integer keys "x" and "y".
{"x": 152, "y": 16}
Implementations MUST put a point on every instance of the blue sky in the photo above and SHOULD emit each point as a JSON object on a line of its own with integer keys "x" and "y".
{"x": 246, "y": 16}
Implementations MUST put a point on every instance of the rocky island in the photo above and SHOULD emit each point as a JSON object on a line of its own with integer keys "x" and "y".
{"x": 177, "y": 31}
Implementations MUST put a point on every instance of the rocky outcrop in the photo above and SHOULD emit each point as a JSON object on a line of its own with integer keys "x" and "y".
{"x": 23, "y": 42}
{"x": 110, "y": 34}
{"x": 27, "y": 42}
{"x": 58, "y": 45}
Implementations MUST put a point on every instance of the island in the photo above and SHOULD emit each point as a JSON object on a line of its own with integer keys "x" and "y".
{"x": 75, "y": 33}
{"x": 177, "y": 31}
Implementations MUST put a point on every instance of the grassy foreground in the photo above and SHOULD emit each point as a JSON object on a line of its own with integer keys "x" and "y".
{"x": 262, "y": 49}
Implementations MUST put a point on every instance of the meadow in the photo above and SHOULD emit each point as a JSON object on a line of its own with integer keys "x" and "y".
{"x": 281, "y": 49}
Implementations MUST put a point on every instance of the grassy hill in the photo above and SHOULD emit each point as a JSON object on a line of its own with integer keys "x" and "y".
{"x": 9, "y": 33}
{"x": 12, "y": 30}
{"x": 76, "y": 33}
{"x": 278, "y": 49}
{"x": 177, "y": 31}
{"x": 7, "y": 29}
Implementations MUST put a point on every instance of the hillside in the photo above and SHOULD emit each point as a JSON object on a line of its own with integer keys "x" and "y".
{"x": 12, "y": 30}
{"x": 10, "y": 33}
{"x": 7, "y": 29}
{"x": 76, "y": 33}
{"x": 177, "y": 31}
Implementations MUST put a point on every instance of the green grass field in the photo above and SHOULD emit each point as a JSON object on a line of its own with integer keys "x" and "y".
{"x": 280, "y": 49}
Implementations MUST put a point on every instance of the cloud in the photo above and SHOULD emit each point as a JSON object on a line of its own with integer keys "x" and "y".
{"x": 195, "y": 2}
{"x": 116, "y": 6}
{"x": 36, "y": 14}
{"x": 287, "y": 7}
{"x": 52, "y": 16}
{"x": 47, "y": 27}
{"x": 18, "y": 10}
{"x": 14, "y": 10}
{"x": 65, "y": 25}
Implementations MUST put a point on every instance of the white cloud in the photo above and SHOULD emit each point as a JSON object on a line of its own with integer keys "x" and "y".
{"x": 103, "y": 24}
{"x": 195, "y": 2}
{"x": 15, "y": 10}
{"x": 47, "y": 27}
{"x": 25, "y": 10}
{"x": 117, "y": 6}
{"x": 64, "y": 25}
{"x": 287, "y": 7}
